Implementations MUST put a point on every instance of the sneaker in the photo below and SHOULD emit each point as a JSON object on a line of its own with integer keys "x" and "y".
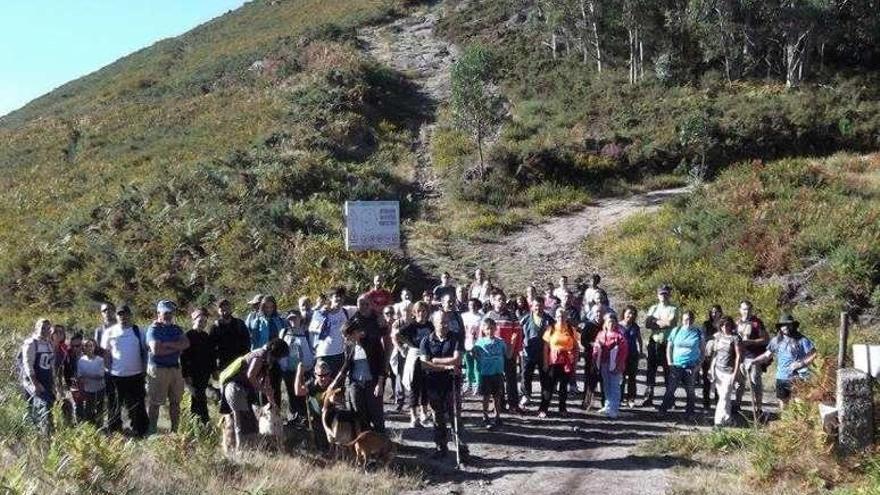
{"x": 426, "y": 421}
{"x": 603, "y": 410}
{"x": 524, "y": 401}
{"x": 649, "y": 402}
{"x": 542, "y": 414}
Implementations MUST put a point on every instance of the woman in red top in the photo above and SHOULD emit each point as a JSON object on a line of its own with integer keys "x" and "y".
{"x": 561, "y": 353}
{"x": 609, "y": 353}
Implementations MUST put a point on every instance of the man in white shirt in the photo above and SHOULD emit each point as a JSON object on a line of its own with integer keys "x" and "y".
{"x": 125, "y": 359}
{"x": 329, "y": 341}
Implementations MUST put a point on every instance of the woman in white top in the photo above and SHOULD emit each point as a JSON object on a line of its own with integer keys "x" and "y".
{"x": 90, "y": 378}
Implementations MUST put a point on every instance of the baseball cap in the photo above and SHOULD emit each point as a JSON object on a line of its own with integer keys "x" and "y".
{"x": 165, "y": 307}
{"x": 664, "y": 289}
{"x": 256, "y": 299}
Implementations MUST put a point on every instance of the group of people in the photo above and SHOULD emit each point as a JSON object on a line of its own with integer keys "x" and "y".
{"x": 456, "y": 340}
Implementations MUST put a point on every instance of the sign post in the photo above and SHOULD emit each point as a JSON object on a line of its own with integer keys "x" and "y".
{"x": 372, "y": 225}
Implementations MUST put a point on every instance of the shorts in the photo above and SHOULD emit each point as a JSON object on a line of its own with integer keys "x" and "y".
{"x": 164, "y": 383}
{"x": 783, "y": 389}
{"x": 490, "y": 386}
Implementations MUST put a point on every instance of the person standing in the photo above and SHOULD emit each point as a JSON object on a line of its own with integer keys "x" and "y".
{"x": 367, "y": 369}
{"x": 125, "y": 357}
{"x": 411, "y": 335}
{"x": 229, "y": 336}
{"x": 108, "y": 320}
{"x": 490, "y": 353}
{"x": 296, "y": 336}
{"x": 253, "y": 309}
{"x": 395, "y": 360}
{"x": 266, "y": 324}
{"x": 710, "y": 329}
{"x": 633, "y": 335}
{"x": 461, "y": 298}
{"x": 727, "y": 350}
{"x": 91, "y": 383}
{"x": 37, "y": 375}
{"x": 441, "y": 357}
{"x": 445, "y": 288}
{"x": 794, "y": 353}
{"x": 511, "y": 333}
{"x": 534, "y": 325}
{"x": 327, "y": 329}
{"x": 560, "y": 358}
{"x": 198, "y": 363}
{"x": 660, "y": 320}
{"x": 165, "y": 341}
{"x": 471, "y": 320}
{"x": 754, "y": 341}
{"x": 72, "y": 398}
{"x": 477, "y": 290}
{"x": 379, "y": 296}
{"x": 591, "y": 293}
{"x": 685, "y": 350}
{"x": 610, "y": 351}
{"x": 561, "y": 288}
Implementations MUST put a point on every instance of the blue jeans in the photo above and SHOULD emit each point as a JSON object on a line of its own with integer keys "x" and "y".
{"x": 680, "y": 375}
{"x": 611, "y": 386}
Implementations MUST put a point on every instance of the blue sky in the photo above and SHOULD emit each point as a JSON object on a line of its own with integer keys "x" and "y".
{"x": 45, "y": 43}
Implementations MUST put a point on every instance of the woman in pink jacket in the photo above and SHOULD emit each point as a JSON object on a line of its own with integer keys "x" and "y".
{"x": 609, "y": 353}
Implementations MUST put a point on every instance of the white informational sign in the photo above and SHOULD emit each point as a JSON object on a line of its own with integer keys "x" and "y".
{"x": 372, "y": 225}
{"x": 867, "y": 358}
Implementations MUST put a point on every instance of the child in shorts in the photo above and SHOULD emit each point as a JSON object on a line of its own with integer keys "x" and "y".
{"x": 490, "y": 353}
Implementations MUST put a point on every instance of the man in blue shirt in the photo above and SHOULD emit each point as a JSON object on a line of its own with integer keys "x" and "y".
{"x": 685, "y": 350}
{"x": 165, "y": 341}
{"x": 794, "y": 354}
{"x": 534, "y": 325}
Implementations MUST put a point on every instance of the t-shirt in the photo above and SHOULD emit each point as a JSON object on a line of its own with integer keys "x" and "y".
{"x": 90, "y": 373}
{"x": 751, "y": 329}
{"x": 725, "y": 351}
{"x": 686, "y": 342}
{"x": 633, "y": 335}
{"x": 472, "y": 323}
{"x": 787, "y": 351}
{"x": 379, "y": 297}
{"x": 563, "y": 341}
{"x": 416, "y": 332}
{"x": 662, "y": 311}
{"x": 160, "y": 332}
{"x": 360, "y": 365}
{"x": 507, "y": 327}
{"x": 126, "y": 350}
{"x": 330, "y": 341}
{"x": 490, "y": 353}
{"x": 433, "y": 347}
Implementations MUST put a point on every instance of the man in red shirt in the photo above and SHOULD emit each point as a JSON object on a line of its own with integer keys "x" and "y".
{"x": 510, "y": 331}
{"x": 378, "y": 295}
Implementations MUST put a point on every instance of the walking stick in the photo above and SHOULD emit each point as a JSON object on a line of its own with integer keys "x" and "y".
{"x": 748, "y": 380}
{"x": 455, "y": 432}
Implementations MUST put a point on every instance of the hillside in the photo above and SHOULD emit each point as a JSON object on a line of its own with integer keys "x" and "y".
{"x": 214, "y": 162}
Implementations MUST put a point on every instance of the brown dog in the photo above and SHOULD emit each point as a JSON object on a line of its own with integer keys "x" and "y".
{"x": 340, "y": 426}
{"x": 371, "y": 444}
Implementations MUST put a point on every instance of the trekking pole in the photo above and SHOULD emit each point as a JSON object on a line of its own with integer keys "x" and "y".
{"x": 752, "y": 393}
{"x": 455, "y": 425}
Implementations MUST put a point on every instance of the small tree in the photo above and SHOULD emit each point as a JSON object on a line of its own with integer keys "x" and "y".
{"x": 475, "y": 107}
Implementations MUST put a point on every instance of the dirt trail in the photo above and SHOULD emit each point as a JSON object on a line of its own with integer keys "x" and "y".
{"x": 583, "y": 453}
{"x": 409, "y": 46}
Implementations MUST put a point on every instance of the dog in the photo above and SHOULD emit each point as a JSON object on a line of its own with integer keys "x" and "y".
{"x": 271, "y": 425}
{"x": 371, "y": 444}
{"x": 227, "y": 433}
{"x": 341, "y": 427}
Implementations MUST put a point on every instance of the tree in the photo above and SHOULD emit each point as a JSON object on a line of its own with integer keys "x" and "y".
{"x": 579, "y": 21}
{"x": 475, "y": 106}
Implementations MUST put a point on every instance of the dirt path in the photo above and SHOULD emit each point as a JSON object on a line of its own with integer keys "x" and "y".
{"x": 409, "y": 46}
{"x": 542, "y": 252}
{"x": 582, "y": 453}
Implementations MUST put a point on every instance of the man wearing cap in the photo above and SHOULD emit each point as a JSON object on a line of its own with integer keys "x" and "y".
{"x": 165, "y": 341}
{"x": 794, "y": 353}
{"x": 229, "y": 336}
{"x": 125, "y": 356}
{"x": 197, "y": 363}
{"x": 660, "y": 319}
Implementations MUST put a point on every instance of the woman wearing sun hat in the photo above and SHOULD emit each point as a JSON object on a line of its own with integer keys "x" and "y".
{"x": 794, "y": 353}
